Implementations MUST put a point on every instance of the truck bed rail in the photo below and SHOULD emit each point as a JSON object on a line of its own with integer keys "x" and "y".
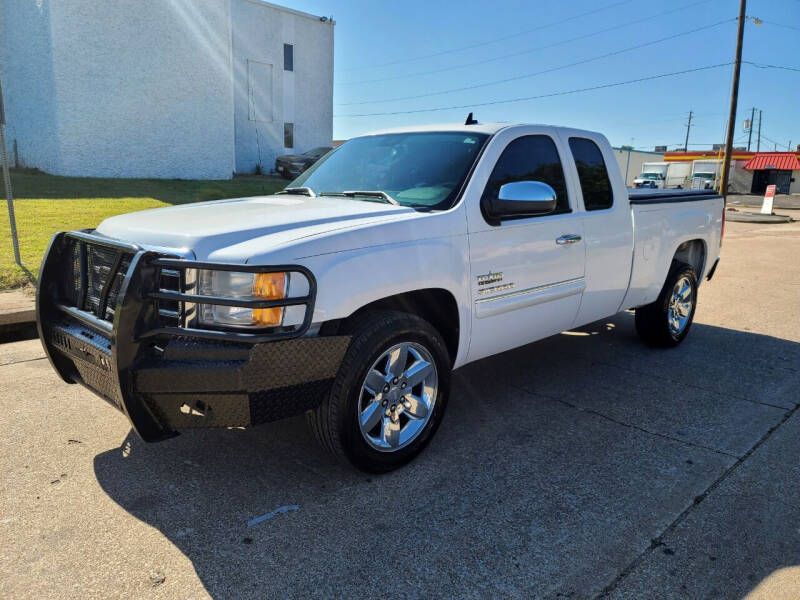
{"x": 669, "y": 196}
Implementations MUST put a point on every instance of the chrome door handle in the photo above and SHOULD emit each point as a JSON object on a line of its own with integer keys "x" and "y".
{"x": 570, "y": 238}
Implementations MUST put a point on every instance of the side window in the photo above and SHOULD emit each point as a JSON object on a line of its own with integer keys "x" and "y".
{"x": 592, "y": 174}
{"x": 288, "y": 57}
{"x": 530, "y": 158}
{"x": 288, "y": 135}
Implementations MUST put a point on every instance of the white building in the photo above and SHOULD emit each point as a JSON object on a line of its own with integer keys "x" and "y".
{"x": 163, "y": 88}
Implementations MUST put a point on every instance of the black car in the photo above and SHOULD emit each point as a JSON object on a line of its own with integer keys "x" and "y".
{"x": 291, "y": 165}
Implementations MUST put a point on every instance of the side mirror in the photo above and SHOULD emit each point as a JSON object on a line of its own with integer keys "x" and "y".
{"x": 521, "y": 199}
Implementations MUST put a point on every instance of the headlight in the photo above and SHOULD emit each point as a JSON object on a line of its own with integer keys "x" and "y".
{"x": 243, "y": 286}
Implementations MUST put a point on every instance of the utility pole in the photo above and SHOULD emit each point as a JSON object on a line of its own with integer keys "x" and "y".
{"x": 627, "y": 164}
{"x": 750, "y": 132}
{"x": 12, "y": 221}
{"x": 688, "y": 127}
{"x": 758, "y": 143}
{"x": 737, "y": 67}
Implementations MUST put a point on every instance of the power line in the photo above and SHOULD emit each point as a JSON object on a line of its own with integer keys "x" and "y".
{"x": 535, "y": 73}
{"x": 780, "y": 25}
{"x": 550, "y": 95}
{"x": 761, "y": 66}
{"x": 487, "y": 42}
{"x": 666, "y": 120}
{"x": 773, "y": 141}
{"x": 529, "y": 51}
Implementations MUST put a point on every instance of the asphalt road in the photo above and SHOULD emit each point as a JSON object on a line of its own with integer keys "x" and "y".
{"x": 586, "y": 465}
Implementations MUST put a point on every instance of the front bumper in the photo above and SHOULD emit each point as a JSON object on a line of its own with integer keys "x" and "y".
{"x": 166, "y": 378}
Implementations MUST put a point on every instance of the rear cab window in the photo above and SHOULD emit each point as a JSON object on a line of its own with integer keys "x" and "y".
{"x": 530, "y": 158}
{"x": 592, "y": 174}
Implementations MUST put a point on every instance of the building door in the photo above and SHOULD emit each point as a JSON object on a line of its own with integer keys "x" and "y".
{"x": 760, "y": 181}
{"x": 782, "y": 181}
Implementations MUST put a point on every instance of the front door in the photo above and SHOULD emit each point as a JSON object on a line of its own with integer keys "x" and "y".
{"x": 527, "y": 273}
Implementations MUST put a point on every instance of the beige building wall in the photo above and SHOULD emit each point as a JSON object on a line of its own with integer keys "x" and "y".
{"x": 632, "y": 161}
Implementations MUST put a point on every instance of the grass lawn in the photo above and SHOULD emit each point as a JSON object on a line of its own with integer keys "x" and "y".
{"x": 45, "y": 204}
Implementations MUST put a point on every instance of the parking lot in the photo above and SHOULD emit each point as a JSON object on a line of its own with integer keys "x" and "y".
{"x": 586, "y": 465}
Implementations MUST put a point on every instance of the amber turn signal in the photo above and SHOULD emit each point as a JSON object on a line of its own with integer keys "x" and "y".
{"x": 270, "y": 286}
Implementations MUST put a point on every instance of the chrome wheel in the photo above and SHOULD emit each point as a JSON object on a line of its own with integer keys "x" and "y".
{"x": 397, "y": 397}
{"x": 679, "y": 309}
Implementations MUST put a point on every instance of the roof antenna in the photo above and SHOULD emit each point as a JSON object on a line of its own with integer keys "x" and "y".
{"x": 470, "y": 120}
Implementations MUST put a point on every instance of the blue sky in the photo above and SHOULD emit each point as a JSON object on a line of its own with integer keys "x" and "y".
{"x": 386, "y": 52}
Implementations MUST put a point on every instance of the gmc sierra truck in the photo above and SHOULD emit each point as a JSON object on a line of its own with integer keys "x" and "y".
{"x": 351, "y": 295}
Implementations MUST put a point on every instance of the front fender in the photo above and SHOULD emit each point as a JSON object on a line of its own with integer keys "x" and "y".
{"x": 349, "y": 280}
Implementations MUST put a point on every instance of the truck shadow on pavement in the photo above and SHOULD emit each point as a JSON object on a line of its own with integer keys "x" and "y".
{"x": 555, "y": 467}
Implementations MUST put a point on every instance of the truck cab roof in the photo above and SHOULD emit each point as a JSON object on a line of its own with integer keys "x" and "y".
{"x": 486, "y": 128}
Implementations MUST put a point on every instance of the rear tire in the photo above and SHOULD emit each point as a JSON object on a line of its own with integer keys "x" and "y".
{"x": 344, "y": 423}
{"x": 666, "y": 322}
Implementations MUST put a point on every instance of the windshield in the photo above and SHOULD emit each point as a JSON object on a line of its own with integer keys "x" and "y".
{"x": 420, "y": 170}
{"x": 704, "y": 175}
{"x": 649, "y": 176}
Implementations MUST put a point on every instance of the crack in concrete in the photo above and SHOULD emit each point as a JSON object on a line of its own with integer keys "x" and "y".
{"x": 657, "y": 541}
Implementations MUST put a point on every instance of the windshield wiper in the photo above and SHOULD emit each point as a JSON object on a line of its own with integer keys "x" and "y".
{"x": 299, "y": 191}
{"x": 366, "y": 193}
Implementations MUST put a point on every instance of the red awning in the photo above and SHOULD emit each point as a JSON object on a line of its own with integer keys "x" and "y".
{"x": 784, "y": 161}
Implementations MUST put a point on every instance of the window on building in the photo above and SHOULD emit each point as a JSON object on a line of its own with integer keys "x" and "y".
{"x": 288, "y": 57}
{"x": 592, "y": 174}
{"x": 288, "y": 135}
{"x": 530, "y": 158}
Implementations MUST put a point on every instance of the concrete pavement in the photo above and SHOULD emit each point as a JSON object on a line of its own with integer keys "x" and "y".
{"x": 586, "y": 465}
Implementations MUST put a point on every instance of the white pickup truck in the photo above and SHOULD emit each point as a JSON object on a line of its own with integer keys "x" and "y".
{"x": 353, "y": 294}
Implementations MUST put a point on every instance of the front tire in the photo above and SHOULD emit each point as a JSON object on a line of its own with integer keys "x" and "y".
{"x": 666, "y": 322}
{"x": 389, "y": 395}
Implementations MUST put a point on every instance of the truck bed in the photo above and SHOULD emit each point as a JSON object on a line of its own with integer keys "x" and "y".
{"x": 665, "y": 219}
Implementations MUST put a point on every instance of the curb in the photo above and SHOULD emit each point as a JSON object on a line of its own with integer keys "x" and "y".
{"x": 754, "y": 217}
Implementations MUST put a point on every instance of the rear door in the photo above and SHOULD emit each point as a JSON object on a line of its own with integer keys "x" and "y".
{"x": 527, "y": 273}
{"x": 607, "y": 225}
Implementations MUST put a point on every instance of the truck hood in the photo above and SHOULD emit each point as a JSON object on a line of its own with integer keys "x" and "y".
{"x": 207, "y": 227}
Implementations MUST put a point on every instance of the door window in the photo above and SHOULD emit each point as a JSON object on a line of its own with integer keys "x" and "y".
{"x": 530, "y": 158}
{"x": 592, "y": 174}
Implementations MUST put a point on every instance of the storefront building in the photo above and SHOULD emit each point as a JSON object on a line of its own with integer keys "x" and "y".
{"x": 751, "y": 172}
